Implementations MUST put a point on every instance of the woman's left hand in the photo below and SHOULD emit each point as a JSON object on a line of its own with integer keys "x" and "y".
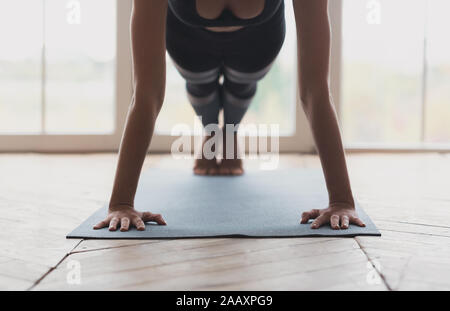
{"x": 338, "y": 215}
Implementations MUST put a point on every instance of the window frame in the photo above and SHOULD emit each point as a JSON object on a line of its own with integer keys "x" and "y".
{"x": 42, "y": 142}
{"x": 300, "y": 141}
{"x": 336, "y": 16}
{"x": 56, "y": 143}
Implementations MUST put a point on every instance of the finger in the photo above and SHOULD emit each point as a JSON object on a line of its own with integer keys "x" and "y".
{"x": 344, "y": 222}
{"x": 357, "y": 221}
{"x": 113, "y": 224}
{"x": 334, "y": 222}
{"x": 320, "y": 221}
{"x": 101, "y": 224}
{"x": 124, "y": 224}
{"x": 306, "y": 216}
{"x": 138, "y": 223}
{"x": 147, "y": 216}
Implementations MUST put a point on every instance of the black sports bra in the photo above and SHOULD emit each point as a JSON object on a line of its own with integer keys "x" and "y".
{"x": 186, "y": 11}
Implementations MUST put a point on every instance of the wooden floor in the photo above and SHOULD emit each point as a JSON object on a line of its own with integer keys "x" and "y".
{"x": 43, "y": 197}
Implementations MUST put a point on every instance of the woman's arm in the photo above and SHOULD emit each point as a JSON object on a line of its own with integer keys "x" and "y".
{"x": 313, "y": 37}
{"x": 149, "y": 67}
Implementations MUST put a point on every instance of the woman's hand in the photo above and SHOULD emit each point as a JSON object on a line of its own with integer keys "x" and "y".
{"x": 338, "y": 215}
{"x": 126, "y": 215}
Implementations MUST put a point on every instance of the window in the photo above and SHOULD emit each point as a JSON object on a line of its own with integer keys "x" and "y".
{"x": 63, "y": 73}
{"x": 66, "y": 77}
{"x": 20, "y": 66}
{"x": 57, "y": 68}
{"x": 80, "y": 52}
{"x": 395, "y": 72}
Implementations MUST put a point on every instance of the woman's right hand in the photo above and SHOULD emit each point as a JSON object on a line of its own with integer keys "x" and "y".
{"x": 126, "y": 215}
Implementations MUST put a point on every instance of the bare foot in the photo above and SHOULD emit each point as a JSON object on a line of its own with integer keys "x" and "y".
{"x": 204, "y": 166}
{"x": 233, "y": 166}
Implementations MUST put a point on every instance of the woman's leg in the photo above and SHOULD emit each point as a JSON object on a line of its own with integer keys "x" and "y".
{"x": 201, "y": 68}
{"x": 239, "y": 89}
{"x": 247, "y": 60}
{"x": 203, "y": 90}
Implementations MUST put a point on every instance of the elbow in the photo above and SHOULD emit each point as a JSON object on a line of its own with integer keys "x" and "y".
{"x": 148, "y": 101}
{"x": 314, "y": 97}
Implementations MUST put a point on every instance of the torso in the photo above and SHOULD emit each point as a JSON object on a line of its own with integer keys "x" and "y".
{"x": 210, "y": 13}
{"x": 225, "y": 29}
{"x": 243, "y": 9}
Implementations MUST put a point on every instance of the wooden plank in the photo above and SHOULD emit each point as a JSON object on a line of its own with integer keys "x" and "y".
{"x": 350, "y": 276}
{"x": 423, "y": 229}
{"x": 93, "y": 245}
{"x": 42, "y": 198}
{"x": 411, "y": 188}
{"x": 210, "y": 264}
{"x": 90, "y": 245}
{"x": 46, "y": 196}
{"x": 8, "y": 283}
{"x": 405, "y": 258}
{"x": 23, "y": 270}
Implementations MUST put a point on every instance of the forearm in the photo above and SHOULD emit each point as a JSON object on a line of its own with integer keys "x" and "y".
{"x": 149, "y": 69}
{"x": 325, "y": 129}
{"x": 314, "y": 43}
{"x": 133, "y": 149}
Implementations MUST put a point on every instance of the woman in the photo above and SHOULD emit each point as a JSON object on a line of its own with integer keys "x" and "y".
{"x": 238, "y": 39}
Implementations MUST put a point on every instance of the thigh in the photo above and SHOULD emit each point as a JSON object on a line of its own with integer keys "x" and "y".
{"x": 188, "y": 48}
{"x": 257, "y": 47}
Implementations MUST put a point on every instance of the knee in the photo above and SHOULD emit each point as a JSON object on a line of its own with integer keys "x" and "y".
{"x": 243, "y": 84}
{"x": 241, "y": 90}
{"x": 201, "y": 89}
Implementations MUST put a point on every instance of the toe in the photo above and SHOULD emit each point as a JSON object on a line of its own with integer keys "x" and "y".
{"x": 237, "y": 171}
{"x": 224, "y": 171}
{"x": 213, "y": 171}
{"x": 200, "y": 171}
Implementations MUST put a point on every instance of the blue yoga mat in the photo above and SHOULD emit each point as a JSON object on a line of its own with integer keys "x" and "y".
{"x": 257, "y": 204}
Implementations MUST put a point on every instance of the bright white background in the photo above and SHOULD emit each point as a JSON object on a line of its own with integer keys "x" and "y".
{"x": 65, "y": 77}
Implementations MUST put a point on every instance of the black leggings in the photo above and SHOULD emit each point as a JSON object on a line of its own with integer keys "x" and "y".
{"x": 242, "y": 57}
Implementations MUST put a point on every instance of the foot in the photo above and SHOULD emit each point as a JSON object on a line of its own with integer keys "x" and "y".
{"x": 232, "y": 166}
{"x": 203, "y": 166}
